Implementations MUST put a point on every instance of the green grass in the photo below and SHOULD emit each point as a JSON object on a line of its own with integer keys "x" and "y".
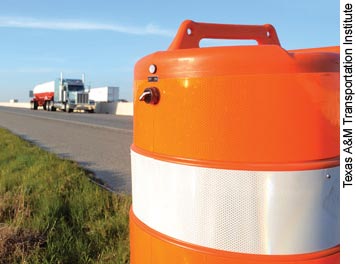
{"x": 50, "y": 212}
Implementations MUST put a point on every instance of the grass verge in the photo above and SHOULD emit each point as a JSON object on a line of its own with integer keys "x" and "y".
{"x": 51, "y": 213}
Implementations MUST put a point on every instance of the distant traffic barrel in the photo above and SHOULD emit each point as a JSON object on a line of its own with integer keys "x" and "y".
{"x": 235, "y": 157}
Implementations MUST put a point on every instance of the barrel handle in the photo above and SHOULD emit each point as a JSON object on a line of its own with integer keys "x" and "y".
{"x": 190, "y": 33}
{"x": 150, "y": 95}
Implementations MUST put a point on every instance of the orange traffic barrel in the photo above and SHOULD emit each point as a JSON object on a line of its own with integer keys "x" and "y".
{"x": 235, "y": 157}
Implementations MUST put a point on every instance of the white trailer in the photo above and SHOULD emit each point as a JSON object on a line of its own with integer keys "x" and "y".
{"x": 104, "y": 94}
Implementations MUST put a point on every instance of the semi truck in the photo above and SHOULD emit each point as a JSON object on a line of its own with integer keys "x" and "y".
{"x": 63, "y": 94}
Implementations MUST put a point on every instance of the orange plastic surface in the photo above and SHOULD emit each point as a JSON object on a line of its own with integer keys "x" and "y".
{"x": 150, "y": 247}
{"x": 241, "y": 107}
{"x": 261, "y": 119}
{"x": 190, "y": 33}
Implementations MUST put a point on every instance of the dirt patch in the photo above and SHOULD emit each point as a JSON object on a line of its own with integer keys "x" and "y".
{"x": 15, "y": 244}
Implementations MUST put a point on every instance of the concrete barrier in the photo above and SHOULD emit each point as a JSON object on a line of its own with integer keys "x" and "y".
{"x": 115, "y": 108}
{"x": 16, "y": 104}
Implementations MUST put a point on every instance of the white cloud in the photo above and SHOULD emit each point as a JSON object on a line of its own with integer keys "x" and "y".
{"x": 35, "y": 70}
{"x": 33, "y": 23}
{"x": 44, "y": 59}
{"x": 28, "y": 70}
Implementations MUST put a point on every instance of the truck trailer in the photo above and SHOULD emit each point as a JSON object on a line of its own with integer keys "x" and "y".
{"x": 105, "y": 94}
{"x": 62, "y": 94}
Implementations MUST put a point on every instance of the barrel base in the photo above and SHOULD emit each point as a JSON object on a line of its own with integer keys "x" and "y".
{"x": 151, "y": 247}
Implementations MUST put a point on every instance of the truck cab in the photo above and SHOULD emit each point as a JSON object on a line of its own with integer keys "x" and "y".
{"x": 71, "y": 94}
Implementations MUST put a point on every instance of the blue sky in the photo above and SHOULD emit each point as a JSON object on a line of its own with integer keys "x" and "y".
{"x": 104, "y": 39}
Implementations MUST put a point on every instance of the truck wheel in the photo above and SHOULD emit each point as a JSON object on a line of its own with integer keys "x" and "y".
{"x": 68, "y": 110}
{"x": 33, "y": 105}
{"x": 51, "y": 106}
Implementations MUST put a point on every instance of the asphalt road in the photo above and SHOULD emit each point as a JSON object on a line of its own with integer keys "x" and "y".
{"x": 98, "y": 142}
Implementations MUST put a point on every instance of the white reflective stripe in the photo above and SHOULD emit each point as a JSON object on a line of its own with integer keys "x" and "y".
{"x": 256, "y": 212}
